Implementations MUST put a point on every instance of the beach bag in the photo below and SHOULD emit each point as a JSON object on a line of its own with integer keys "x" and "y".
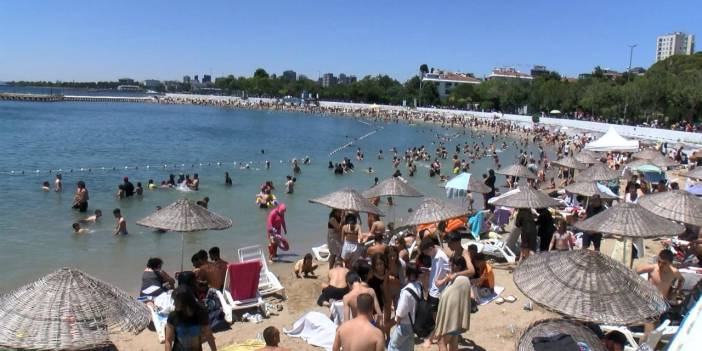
{"x": 423, "y": 323}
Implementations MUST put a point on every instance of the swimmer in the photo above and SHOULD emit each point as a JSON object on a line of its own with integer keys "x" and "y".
{"x": 94, "y": 218}
{"x": 46, "y": 187}
{"x": 121, "y": 225}
{"x": 370, "y": 170}
{"x": 78, "y": 230}
{"x": 151, "y": 185}
{"x": 305, "y": 266}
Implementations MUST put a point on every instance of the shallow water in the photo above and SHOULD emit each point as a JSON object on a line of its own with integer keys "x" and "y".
{"x": 35, "y": 226}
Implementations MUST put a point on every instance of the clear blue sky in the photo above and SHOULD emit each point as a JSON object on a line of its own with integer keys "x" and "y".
{"x": 105, "y": 40}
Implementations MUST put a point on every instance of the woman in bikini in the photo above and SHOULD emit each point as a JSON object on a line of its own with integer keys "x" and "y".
{"x": 350, "y": 233}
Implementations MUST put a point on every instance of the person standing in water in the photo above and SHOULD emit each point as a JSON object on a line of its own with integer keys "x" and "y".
{"x": 128, "y": 187}
{"x": 275, "y": 228}
{"x": 227, "y": 179}
{"x": 58, "y": 184}
{"x": 289, "y": 185}
{"x": 121, "y": 226}
{"x": 80, "y": 199}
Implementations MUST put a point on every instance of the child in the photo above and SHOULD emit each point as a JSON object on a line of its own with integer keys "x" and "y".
{"x": 94, "y": 218}
{"x": 46, "y": 187}
{"x": 78, "y": 230}
{"x": 305, "y": 266}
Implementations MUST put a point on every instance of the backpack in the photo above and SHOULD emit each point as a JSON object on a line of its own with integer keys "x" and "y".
{"x": 423, "y": 323}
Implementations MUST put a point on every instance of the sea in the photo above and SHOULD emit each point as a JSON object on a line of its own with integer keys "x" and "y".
{"x": 100, "y": 143}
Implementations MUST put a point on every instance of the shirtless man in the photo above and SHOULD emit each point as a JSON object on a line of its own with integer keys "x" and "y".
{"x": 377, "y": 247}
{"x": 78, "y": 230}
{"x": 663, "y": 273}
{"x": 358, "y": 287}
{"x": 121, "y": 226}
{"x": 359, "y": 334}
{"x": 337, "y": 287}
{"x": 271, "y": 336}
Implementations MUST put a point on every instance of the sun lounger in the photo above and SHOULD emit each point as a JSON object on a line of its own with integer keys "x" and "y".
{"x": 268, "y": 282}
{"x": 663, "y": 331}
{"x": 321, "y": 253}
{"x": 159, "y": 323}
{"x": 337, "y": 312}
{"x": 492, "y": 247}
{"x": 242, "y": 292}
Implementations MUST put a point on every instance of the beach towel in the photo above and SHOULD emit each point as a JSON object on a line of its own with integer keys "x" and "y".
{"x": 248, "y": 345}
{"x": 501, "y": 217}
{"x": 476, "y": 224}
{"x": 243, "y": 279}
{"x": 487, "y": 299}
{"x": 315, "y": 328}
{"x": 454, "y": 308}
{"x": 455, "y": 224}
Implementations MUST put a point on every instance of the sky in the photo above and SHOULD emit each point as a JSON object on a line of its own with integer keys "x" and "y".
{"x": 106, "y": 40}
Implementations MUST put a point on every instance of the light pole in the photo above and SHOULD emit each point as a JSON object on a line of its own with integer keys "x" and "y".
{"x": 628, "y": 75}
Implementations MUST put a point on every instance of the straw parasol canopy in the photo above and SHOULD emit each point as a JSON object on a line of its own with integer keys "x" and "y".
{"x": 347, "y": 200}
{"x": 587, "y": 157}
{"x": 478, "y": 187}
{"x": 68, "y": 310}
{"x": 588, "y": 189}
{"x": 392, "y": 186}
{"x": 663, "y": 162}
{"x": 588, "y": 286}
{"x": 185, "y": 216}
{"x": 694, "y": 174}
{"x": 630, "y": 220}
{"x": 597, "y": 172}
{"x": 554, "y": 326}
{"x": 516, "y": 171}
{"x": 432, "y": 210}
{"x": 525, "y": 197}
{"x": 569, "y": 162}
{"x": 647, "y": 154}
{"x": 677, "y": 205}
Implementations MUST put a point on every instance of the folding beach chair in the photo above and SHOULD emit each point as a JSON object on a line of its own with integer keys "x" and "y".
{"x": 492, "y": 247}
{"x": 242, "y": 292}
{"x": 337, "y": 312}
{"x": 321, "y": 253}
{"x": 268, "y": 282}
{"x": 663, "y": 331}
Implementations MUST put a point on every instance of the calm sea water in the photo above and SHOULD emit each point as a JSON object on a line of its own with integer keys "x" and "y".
{"x": 35, "y": 227}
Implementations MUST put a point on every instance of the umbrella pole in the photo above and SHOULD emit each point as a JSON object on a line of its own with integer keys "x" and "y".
{"x": 182, "y": 249}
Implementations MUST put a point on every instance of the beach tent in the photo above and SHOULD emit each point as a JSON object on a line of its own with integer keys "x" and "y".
{"x": 612, "y": 141}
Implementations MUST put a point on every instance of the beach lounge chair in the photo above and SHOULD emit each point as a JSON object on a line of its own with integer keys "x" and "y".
{"x": 663, "y": 331}
{"x": 268, "y": 282}
{"x": 337, "y": 312}
{"x": 321, "y": 253}
{"x": 492, "y": 247}
{"x": 242, "y": 292}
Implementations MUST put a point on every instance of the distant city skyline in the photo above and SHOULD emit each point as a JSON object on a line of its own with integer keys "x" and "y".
{"x": 165, "y": 40}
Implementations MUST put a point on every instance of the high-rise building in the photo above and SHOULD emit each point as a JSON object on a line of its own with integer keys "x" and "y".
{"x": 290, "y": 75}
{"x": 186, "y": 79}
{"x": 674, "y": 44}
{"x": 206, "y": 79}
{"x": 328, "y": 80}
{"x": 196, "y": 79}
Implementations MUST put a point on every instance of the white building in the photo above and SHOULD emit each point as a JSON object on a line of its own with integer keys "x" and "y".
{"x": 674, "y": 44}
{"x": 446, "y": 81}
{"x": 507, "y": 73}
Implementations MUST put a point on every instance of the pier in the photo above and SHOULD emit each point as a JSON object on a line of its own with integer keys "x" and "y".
{"x": 86, "y": 98}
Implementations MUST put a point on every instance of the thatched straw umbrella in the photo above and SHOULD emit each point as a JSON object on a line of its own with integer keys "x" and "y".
{"x": 647, "y": 154}
{"x": 392, "y": 186}
{"x": 588, "y": 286}
{"x": 588, "y": 189}
{"x": 432, "y": 210}
{"x": 630, "y": 220}
{"x": 524, "y": 197}
{"x": 554, "y": 326}
{"x": 664, "y": 162}
{"x": 569, "y": 162}
{"x": 347, "y": 200}
{"x": 677, "y": 205}
{"x": 587, "y": 157}
{"x": 695, "y": 173}
{"x": 516, "y": 171}
{"x": 597, "y": 173}
{"x": 185, "y": 216}
{"x": 68, "y": 310}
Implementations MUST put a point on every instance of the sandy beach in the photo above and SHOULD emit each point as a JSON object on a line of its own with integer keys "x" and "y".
{"x": 493, "y": 328}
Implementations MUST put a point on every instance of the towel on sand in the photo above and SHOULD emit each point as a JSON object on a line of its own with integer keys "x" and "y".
{"x": 454, "y": 308}
{"x": 315, "y": 328}
{"x": 248, "y": 345}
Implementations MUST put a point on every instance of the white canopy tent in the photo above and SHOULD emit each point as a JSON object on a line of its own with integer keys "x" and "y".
{"x": 612, "y": 141}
